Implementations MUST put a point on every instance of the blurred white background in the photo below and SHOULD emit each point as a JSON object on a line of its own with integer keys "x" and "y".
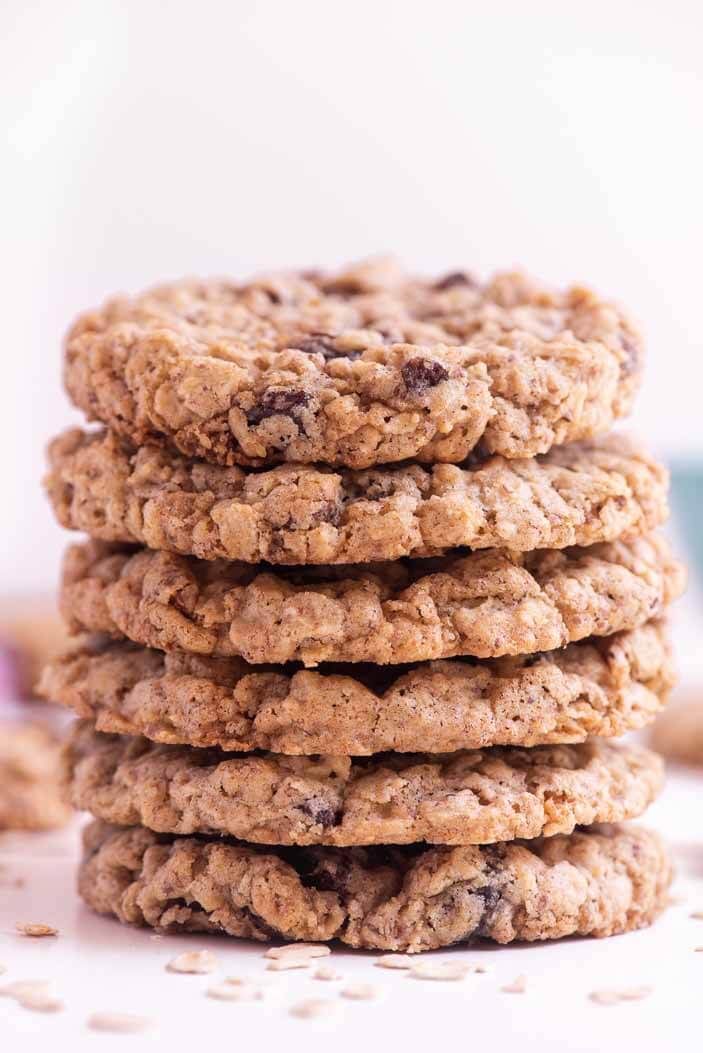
{"x": 144, "y": 140}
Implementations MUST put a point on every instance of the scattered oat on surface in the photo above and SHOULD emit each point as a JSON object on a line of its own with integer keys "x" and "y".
{"x": 33, "y": 994}
{"x": 518, "y": 986}
{"x": 635, "y": 994}
{"x": 36, "y": 929}
{"x": 235, "y": 992}
{"x": 395, "y": 961}
{"x": 326, "y": 972}
{"x": 299, "y": 950}
{"x": 604, "y": 997}
{"x": 430, "y": 970}
{"x": 22, "y": 988}
{"x": 41, "y": 1002}
{"x": 360, "y": 992}
{"x": 118, "y": 1023}
{"x": 280, "y": 965}
{"x": 611, "y": 996}
{"x": 312, "y": 1008}
{"x": 194, "y": 962}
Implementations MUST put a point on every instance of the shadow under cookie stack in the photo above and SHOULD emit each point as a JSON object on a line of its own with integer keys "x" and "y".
{"x": 368, "y": 596}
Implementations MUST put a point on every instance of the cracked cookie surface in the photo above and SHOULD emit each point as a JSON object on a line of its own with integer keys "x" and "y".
{"x": 30, "y": 778}
{"x": 580, "y": 494}
{"x": 601, "y": 687}
{"x": 486, "y": 604}
{"x": 468, "y": 797}
{"x": 363, "y": 367}
{"x": 598, "y": 882}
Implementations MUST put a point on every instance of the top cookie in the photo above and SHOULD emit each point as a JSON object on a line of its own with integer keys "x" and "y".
{"x": 358, "y": 368}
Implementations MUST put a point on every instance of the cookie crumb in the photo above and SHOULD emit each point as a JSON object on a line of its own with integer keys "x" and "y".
{"x": 198, "y": 962}
{"x": 312, "y": 1008}
{"x": 235, "y": 992}
{"x": 394, "y": 961}
{"x": 360, "y": 993}
{"x": 518, "y": 986}
{"x": 326, "y": 972}
{"x": 298, "y": 950}
{"x": 118, "y": 1023}
{"x": 430, "y": 970}
{"x": 36, "y": 929}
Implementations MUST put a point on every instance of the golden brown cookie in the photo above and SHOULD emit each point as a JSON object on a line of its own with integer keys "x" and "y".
{"x": 579, "y": 494}
{"x": 596, "y": 882}
{"x": 363, "y": 367}
{"x": 486, "y": 604}
{"x": 600, "y": 687}
{"x": 468, "y": 797}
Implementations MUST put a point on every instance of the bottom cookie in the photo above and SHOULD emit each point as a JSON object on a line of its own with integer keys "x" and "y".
{"x": 31, "y": 797}
{"x": 596, "y": 882}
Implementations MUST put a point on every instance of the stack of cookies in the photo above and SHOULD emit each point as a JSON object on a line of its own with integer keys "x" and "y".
{"x": 368, "y": 595}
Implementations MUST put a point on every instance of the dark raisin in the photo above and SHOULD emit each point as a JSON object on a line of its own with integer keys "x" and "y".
{"x": 478, "y": 456}
{"x": 258, "y": 923}
{"x": 329, "y": 875}
{"x": 419, "y": 374}
{"x": 277, "y": 403}
{"x": 450, "y": 281}
{"x": 491, "y": 898}
{"x": 329, "y": 513}
{"x": 323, "y": 344}
{"x": 320, "y": 812}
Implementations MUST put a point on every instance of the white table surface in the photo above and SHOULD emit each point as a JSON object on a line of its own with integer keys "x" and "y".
{"x": 98, "y": 965}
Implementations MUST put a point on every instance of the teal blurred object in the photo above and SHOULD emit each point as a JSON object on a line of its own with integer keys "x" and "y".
{"x": 687, "y": 501}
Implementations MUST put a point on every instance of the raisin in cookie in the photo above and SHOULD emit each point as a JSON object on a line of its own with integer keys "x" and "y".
{"x": 600, "y": 687}
{"x": 364, "y": 367}
{"x": 468, "y": 797}
{"x": 596, "y": 882}
{"x": 486, "y": 604}
{"x": 579, "y": 494}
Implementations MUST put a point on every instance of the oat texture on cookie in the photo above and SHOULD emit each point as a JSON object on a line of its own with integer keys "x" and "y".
{"x": 369, "y": 592}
